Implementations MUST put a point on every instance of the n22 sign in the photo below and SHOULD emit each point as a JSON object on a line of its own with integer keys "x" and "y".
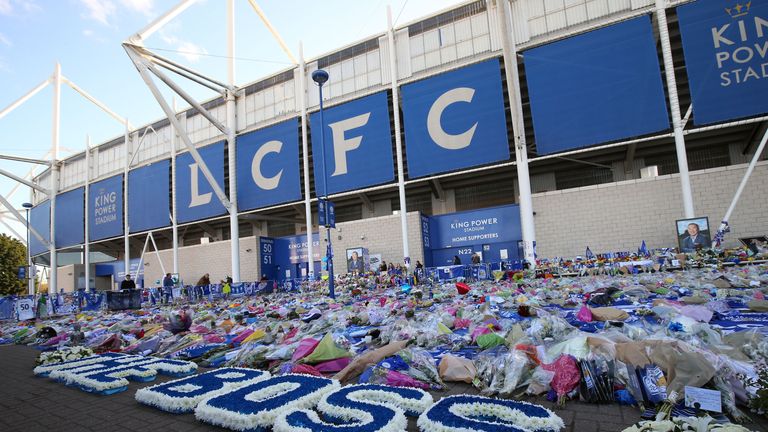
{"x": 358, "y": 145}
{"x": 268, "y": 166}
{"x": 195, "y": 198}
{"x": 726, "y": 56}
{"x": 455, "y": 120}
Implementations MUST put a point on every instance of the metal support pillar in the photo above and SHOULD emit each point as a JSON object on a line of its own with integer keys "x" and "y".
{"x": 521, "y": 148}
{"x": 398, "y": 140}
{"x": 53, "y": 280}
{"x": 234, "y": 226}
{"x": 126, "y": 239}
{"x": 87, "y": 246}
{"x": 674, "y": 104}
{"x": 173, "y": 198}
{"x": 305, "y": 162}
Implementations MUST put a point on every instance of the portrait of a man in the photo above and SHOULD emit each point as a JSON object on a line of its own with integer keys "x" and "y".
{"x": 693, "y": 234}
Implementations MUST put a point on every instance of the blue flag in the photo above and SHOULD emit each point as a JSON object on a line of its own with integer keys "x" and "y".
{"x": 589, "y": 254}
{"x": 643, "y": 250}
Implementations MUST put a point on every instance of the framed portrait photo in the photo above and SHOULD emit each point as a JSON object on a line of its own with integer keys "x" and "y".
{"x": 693, "y": 234}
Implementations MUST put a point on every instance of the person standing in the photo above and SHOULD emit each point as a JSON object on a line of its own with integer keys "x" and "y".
{"x": 475, "y": 258}
{"x": 168, "y": 287}
{"x": 127, "y": 283}
{"x": 456, "y": 260}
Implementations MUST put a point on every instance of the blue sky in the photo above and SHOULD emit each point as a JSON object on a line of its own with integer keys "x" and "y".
{"x": 85, "y": 37}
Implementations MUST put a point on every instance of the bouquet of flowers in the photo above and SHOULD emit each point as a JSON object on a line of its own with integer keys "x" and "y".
{"x": 62, "y": 355}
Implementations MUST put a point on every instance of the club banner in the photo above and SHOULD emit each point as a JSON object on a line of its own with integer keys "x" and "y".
{"x": 40, "y": 220}
{"x": 489, "y": 225}
{"x": 358, "y": 145}
{"x": 70, "y": 218}
{"x": 195, "y": 198}
{"x": 268, "y": 166}
{"x": 149, "y": 203}
{"x": 105, "y": 208}
{"x": 455, "y": 120}
{"x": 726, "y": 55}
{"x": 597, "y": 87}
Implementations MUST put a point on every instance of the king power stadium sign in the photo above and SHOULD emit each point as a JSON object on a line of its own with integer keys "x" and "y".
{"x": 726, "y": 56}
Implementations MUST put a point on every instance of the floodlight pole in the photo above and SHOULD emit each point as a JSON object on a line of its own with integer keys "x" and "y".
{"x": 398, "y": 140}
{"x": 674, "y": 104}
{"x": 305, "y": 162}
{"x": 518, "y": 125}
{"x": 231, "y": 107}
{"x": 56, "y": 129}
{"x": 320, "y": 77}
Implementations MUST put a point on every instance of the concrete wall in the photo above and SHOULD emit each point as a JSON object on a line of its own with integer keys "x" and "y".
{"x": 619, "y": 216}
{"x": 382, "y": 236}
{"x": 213, "y": 258}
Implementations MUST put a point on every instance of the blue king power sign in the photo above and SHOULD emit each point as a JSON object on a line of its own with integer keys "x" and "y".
{"x": 726, "y": 56}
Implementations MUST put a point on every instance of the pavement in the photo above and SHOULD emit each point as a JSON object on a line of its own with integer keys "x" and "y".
{"x": 31, "y": 404}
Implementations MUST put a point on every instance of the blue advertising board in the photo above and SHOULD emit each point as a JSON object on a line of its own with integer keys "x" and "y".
{"x": 426, "y": 241}
{"x": 488, "y": 225}
{"x": 455, "y": 120}
{"x": 268, "y": 166}
{"x": 358, "y": 145}
{"x": 596, "y": 87}
{"x": 105, "y": 208}
{"x": 40, "y": 220}
{"x": 149, "y": 202}
{"x": 70, "y": 218}
{"x": 726, "y": 55}
{"x": 326, "y": 213}
{"x": 195, "y": 198}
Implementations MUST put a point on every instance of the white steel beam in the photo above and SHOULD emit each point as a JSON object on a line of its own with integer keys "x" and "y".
{"x": 87, "y": 200}
{"x": 518, "y": 126}
{"x": 126, "y": 169}
{"x": 230, "y": 130}
{"x": 143, "y": 68}
{"x": 15, "y": 104}
{"x": 23, "y": 220}
{"x": 55, "y": 134}
{"x": 24, "y": 181}
{"x": 18, "y": 236}
{"x": 398, "y": 140}
{"x": 95, "y": 101}
{"x": 305, "y": 161}
{"x": 724, "y": 223}
{"x": 674, "y": 103}
{"x": 160, "y": 21}
{"x": 173, "y": 198}
{"x": 26, "y": 160}
{"x": 272, "y": 30}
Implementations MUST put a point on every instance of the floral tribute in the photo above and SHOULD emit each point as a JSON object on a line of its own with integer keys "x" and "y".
{"x": 109, "y": 373}
{"x": 255, "y": 407}
{"x": 464, "y": 413}
{"x": 359, "y": 408}
{"x": 184, "y": 394}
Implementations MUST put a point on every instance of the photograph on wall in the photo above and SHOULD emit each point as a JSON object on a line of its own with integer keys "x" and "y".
{"x": 693, "y": 234}
{"x": 355, "y": 260}
{"x": 756, "y": 245}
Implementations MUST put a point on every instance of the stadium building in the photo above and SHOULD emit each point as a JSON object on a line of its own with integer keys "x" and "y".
{"x": 568, "y": 123}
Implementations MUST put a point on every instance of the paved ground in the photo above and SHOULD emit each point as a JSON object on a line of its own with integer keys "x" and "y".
{"x": 31, "y": 404}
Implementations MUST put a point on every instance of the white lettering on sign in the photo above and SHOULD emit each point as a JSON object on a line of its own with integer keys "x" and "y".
{"x": 105, "y": 207}
{"x": 197, "y": 199}
{"x": 342, "y": 145}
{"x": 266, "y": 183}
{"x": 737, "y": 45}
{"x": 435, "y": 129}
